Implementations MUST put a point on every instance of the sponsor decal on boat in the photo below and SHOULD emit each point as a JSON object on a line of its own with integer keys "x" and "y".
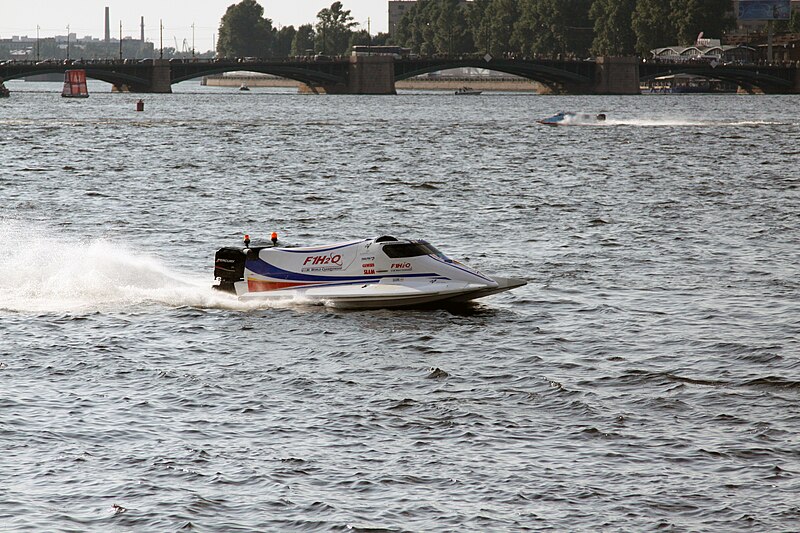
{"x": 335, "y": 259}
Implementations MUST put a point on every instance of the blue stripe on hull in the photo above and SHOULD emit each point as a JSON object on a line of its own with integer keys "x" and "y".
{"x": 262, "y": 268}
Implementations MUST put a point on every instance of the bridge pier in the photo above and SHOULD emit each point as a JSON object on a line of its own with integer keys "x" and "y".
{"x": 371, "y": 75}
{"x": 161, "y": 81}
{"x": 365, "y": 75}
{"x": 617, "y": 75}
{"x": 797, "y": 80}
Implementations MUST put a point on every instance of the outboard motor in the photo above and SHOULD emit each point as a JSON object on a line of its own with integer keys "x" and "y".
{"x": 229, "y": 267}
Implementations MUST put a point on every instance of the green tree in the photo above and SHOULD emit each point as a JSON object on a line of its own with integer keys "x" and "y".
{"x": 303, "y": 40}
{"x": 553, "y": 27}
{"x": 360, "y": 38}
{"x": 503, "y": 15}
{"x": 380, "y": 39}
{"x": 479, "y": 20}
{"x": 451, "y": 34}
{"x": 653, "y": 26}
{"x": 426, "y": 27}
{"x": 244, "y": 31}
{"x": 333, "y": 29}
{"x": 792, "y": 25}
{"x": 794, "y": 22}
{"x": 613, "y": 34}
{"x": 283, "y": 41}
{"x": 527, "y": 28}
{"x": 413, "y": 30}
{"x": 712, "y": 17}
{"x": 402, "y": 34}
{"x": 573, "y": 26}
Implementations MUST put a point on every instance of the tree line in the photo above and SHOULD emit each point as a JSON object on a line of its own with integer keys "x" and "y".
{"x": 245, "y": 32}
{"x": 566, "y": 27}
{"x": 527, "y": 27}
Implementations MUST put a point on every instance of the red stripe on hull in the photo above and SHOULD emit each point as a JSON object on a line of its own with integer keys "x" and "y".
{"x": 255, "y": 285}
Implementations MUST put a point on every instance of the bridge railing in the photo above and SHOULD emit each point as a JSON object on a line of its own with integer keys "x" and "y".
{"x": 719, "y": 63}
{"x": 179, "y": 61}
{"x": 411, "y": 57}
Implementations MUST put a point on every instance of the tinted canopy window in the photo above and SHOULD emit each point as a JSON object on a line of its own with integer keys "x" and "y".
{"x": 410, "y": 249}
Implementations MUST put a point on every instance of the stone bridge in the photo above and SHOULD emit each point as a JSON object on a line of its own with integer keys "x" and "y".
{"x": 377, "y": 74}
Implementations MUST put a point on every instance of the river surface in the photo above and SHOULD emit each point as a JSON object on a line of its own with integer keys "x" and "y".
{"x": 646, "y": 378}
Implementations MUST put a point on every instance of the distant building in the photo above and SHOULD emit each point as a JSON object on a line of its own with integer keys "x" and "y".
{"x": 88, "y": 47}
{"x": 785, "y": 46}
{"x": 757, "y": 25}
{"x": 108, "y": 26}
{"x": 707, "y": 50}
{"x": 398, "y": 8}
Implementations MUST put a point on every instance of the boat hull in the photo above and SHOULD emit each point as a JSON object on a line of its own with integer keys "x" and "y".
{"x": 379, "y": 295}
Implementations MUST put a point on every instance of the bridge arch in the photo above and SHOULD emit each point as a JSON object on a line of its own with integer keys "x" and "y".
{"x": 555, "y": 74}
{"x": 135, "y": 83}
{"x": 309, "y": 76}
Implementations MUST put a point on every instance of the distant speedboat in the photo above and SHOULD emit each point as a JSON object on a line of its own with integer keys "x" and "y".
{"x": 244, "y": 87}
{"x": 364, "y": 274}
{"x": 573, "y": 119}
{"x": 467, "y": 91}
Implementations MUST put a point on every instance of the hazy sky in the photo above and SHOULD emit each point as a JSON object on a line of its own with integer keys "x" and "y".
{"x": 86, "y": 17}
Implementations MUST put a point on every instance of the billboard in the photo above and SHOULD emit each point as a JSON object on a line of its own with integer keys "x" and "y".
{"x": 764, "y": 9}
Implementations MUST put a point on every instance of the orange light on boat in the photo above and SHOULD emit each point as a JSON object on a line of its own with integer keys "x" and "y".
{"x": 274, "y": 237}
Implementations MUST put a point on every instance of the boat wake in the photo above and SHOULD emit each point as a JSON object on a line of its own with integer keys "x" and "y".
{"x": 47, "y": 271}
{"x": 604, "y": 120}
{"x": 678, "y": 122}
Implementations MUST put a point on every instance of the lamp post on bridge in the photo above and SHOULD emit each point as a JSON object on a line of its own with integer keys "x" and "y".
{"x": 120, "y": 40}
{"x": 37, "y": 43}
{"x": 67, "y": 41}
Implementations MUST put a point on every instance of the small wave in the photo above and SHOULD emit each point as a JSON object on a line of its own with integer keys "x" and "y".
{"x": 774, "y": 383}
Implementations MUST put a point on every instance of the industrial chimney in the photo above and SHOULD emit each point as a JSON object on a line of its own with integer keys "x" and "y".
{"x": 142, "y": 29}
{"x": 108, "y": 26}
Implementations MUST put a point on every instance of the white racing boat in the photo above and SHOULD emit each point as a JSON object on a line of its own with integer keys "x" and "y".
{"x": 573, "y": 119}
{"x": 370, "y": 273}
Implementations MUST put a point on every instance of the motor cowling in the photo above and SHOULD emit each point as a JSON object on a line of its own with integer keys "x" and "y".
{"x": 229, "y": 267}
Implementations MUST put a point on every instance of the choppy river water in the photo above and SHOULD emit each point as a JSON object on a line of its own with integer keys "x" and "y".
{"x": 647, "y": 377}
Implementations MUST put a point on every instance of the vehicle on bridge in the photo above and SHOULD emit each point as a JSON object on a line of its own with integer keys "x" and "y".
{"x": 397, "y": 52}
